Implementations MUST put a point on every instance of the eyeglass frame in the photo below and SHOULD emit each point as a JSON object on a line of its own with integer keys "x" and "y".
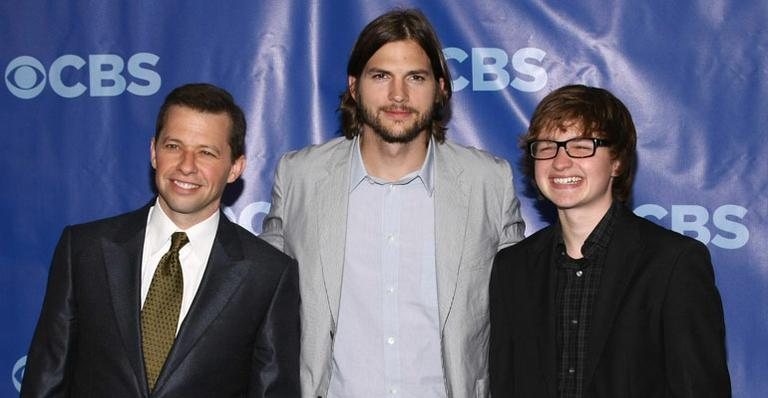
{"x": 597, "y": 142}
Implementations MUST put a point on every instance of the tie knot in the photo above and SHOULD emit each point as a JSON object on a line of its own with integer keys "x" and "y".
{"x": 178, "y": 240}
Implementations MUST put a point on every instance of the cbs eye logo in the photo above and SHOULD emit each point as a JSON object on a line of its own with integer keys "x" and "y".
{"x": 70, "y": 76}
{"x": 18, "y": 372}
{"x": 25, "y": 77}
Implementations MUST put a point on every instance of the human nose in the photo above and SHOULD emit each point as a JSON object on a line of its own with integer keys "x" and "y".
{"x": 187, "y": 162}
{"x": 398, "y": 91}
{"x": 561, "y": 160}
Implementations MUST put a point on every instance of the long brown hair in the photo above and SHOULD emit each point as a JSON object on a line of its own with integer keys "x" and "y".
{"x": 397, "y": 25}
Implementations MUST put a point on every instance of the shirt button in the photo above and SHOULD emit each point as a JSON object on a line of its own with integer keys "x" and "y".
{"x": 393, "y": 391}
{"x": 391, "y": 340}
{"x": 571, "y": 370}
{"x": 579, "y": 273}
{"x": 390, "y": 290}
{"x": 574, "y": 322}
{"x": 390, "y": 238}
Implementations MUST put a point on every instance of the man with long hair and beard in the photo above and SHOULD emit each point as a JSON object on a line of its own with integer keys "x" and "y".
{"x": 394, "y": 229}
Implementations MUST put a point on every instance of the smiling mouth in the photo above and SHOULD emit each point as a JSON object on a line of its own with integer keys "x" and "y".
{"x": 567, "y": 180}
{"x": 185, "y": 185}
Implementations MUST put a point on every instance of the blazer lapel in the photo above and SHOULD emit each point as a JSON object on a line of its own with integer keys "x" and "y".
{"x": 451, "y": 206}
{"x": 223, "y": 275}
{"x": 621, "y": 264}
{"x": 330, "y": 210}
{"x": 543, "y": 262}
{"x": 122, "y": 263}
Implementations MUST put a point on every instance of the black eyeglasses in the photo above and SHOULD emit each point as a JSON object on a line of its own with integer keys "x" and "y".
{"x": 575, "y": 147}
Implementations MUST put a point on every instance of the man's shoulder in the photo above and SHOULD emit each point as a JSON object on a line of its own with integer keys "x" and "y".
{"x": 471, "y": 159}
{"x": 98, "y": 227}
{"x": 654, "y": 235}
{"x": 253, "y": 245}
{"x": 540, "y": 238}
{"x": 313, "y": 153}
{"x": 468, "y": 153}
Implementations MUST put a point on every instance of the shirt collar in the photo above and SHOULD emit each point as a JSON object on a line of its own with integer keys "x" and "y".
{"x": 425, "y": 174}
{"x": 598, "y": 239}
{"x": 160, "y": 228}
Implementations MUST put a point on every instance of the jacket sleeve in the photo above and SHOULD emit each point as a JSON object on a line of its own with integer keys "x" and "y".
{"x": 275, "y": 360}
{"x": 512, "y": 225}
{"x": 694, "y": 329}
{"x": 272, "y": 226}
{"x": 50, "y": 357}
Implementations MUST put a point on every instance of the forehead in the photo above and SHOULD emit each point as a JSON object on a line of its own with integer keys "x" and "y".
{"x": 182, "y": 122}
{"x": 400, "y": 54}
{"x": 562, "y": 128}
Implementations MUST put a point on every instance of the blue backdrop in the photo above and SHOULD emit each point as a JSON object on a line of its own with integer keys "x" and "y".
{"x": 83, "y": 81}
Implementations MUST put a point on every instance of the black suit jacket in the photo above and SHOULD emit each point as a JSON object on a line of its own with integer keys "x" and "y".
{"x": 657, "y": 328}
{"x": 240, "y": 337}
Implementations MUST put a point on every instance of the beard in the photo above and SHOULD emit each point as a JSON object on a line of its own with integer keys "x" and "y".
{"x": 408, "y": 133}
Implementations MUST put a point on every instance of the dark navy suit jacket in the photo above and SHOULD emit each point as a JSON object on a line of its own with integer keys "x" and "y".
{"x": 240, "y": 337}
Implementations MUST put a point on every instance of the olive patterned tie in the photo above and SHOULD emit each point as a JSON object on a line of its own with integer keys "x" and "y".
{"x": 160, "y": 314}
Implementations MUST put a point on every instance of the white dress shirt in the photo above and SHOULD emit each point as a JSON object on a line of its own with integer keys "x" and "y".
{"x": 193, "y": 256}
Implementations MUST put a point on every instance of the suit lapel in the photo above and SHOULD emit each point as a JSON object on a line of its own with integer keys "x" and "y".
{"x": 122, "y": 264}
{"x": 330, "y": 212}
{"x": 223, "y": 275}
{"x": 451, "y": 206}
{"x": 543, "y": 261}
{"x": 621, "y": 264}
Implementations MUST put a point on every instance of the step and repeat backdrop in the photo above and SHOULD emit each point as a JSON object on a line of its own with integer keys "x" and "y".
{"x": 83, "y": 81}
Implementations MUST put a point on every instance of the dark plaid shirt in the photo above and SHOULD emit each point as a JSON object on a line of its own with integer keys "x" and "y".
{"x": 578, "y": 282}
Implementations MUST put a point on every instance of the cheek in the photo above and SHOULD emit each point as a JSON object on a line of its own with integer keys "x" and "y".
{"x": 219, "y": 175}
{"x": 539, "y": 174}
{"x": 426, "y": 97}
{"x": 159, "y": 163}
{"x": 367, "y": 94}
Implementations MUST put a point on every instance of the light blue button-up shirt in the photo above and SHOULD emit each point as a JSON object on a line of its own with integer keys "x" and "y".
{"x": 387, "y": 341}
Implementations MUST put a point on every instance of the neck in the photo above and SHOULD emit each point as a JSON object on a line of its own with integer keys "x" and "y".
{"x": 186, "y": 221}
{"x": 577, "y": 225}
{"x": 392, "y": 161}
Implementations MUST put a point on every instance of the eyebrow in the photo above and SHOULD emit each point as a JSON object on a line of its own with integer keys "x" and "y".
{"x": 182, "y": 143}
{"x": 410, "y": 72}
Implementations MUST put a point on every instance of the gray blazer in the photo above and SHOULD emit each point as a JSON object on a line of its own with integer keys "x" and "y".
{"x": 476, "y": 214}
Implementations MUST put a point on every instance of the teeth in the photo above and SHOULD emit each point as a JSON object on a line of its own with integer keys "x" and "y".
{"x": 185, "y": 185}
{"x": 566, "y": 180}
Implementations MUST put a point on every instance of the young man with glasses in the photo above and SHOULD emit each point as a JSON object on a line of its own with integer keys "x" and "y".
{"x": 603, "y": 303}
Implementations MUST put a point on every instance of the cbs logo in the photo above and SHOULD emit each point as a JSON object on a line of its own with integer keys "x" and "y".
{"x": 491, "y": 69}
{"x": 723, "y": 229}
{"x": 70, "y": 76}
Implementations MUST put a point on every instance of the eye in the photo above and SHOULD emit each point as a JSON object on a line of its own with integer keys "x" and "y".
{"x": 171, "y": 146}
{"x": 208, "y": 153}
{"x": 418, "y": 78}
{"x": 582, "y": 144}
{"x": 379, "y": 76}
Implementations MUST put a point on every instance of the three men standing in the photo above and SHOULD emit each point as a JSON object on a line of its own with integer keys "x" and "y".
{"x": 394, "y": 229}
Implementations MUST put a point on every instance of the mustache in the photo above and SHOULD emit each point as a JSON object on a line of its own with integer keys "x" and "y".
{"x": 398, "y": 108}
